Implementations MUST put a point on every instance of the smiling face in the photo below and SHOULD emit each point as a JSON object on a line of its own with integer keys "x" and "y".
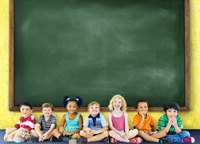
{"x": 171, "y": 113}
{"x": 94, "y": 110}
{"x": 47, "y": 111}
{"x": 117, "y": 104}
{"x": 25, "y": 110}
{"x": 142, "y": 107}
{"x": 72, "y": 107}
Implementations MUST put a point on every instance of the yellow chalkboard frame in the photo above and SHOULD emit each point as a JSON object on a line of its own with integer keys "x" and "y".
{"x": 11, "y": 66}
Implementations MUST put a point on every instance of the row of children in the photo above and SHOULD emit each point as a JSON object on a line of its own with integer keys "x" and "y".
{"x": 72, "y": 129}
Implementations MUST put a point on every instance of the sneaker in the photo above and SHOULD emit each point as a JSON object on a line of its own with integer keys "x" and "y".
{"x": 105, "y": 140}
{"x": 81, "y": 140}
{"x": 112, "y": 140}
{"x": 166, "y": 140}
{"x": 73, "y": 141}
{"x": 65, "y": 139}
{"x": 189, "y": 140}
{"x": 18, "y": 140}
{"x": 54, "y": 139}
{"x": 32, "y": 139}
{"x": 135, "y": 140}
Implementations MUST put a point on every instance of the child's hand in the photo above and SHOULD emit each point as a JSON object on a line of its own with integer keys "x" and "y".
{"x": 94, "y": 132}
{"x": 90, "y": 132}
{"x": 66, "y": 133}
{"x": 174, "y": 121}
{"x": 44, "y": 136}
{"x": 142, "y": 114}
{"x": 41, "y": 138}
{"x": 10, "y": 136}
{"x": 170, "y": 120}
{"x": 123, "y": 135}
{"x": 5, "y": 137}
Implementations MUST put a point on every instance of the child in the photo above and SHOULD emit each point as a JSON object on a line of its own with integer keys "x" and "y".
{"x": 118, "y": 122}
{"x": 20, "y": 132}
{"x": 72, "y": 122}
{"x": 171, "y": 123}
{"x": 95, "y": 126}
{"x": 145, "y": 124}
{"x": 47, "y": 122}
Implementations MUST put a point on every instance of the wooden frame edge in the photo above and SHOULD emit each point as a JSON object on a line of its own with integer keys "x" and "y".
{"x": 11, "y": 55}
{"x": 187, "y": 55}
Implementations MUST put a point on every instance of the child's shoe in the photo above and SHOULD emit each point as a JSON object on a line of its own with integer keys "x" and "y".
{"x": 54, "y": 139}
{"x": 189, "y": 140}
{"x": 10, "y": 140}
{"x": 65, "y": 139}
{"x": 32, "y": 139}
{"x": 105, "y": 140}
{"x": 73, "y": 141}
{"x": 112, "y": 140}
{"x": 18, "y": 140}
{"x": 135, "y": 140}
{"x": 166, "y": 140}
{"x": 81, "y": 140}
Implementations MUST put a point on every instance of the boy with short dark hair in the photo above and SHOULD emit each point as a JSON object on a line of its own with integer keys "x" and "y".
{"x": 95, "y": 126}
{"x": 47, "y": 122}
{"x": 171, "y": 123}
{"x": 21, "y": 131}
{"x": 146, "y": 124}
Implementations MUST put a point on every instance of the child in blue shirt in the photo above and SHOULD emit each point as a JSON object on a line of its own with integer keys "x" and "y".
{"x": 95, "y": 126}
{"x": 71, "y": 123}
{"x": 171, "y": 123}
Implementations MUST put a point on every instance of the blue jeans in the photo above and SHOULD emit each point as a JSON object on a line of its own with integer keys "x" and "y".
{"x": 178, "y": 137}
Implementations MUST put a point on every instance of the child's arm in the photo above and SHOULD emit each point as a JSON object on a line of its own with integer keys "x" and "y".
{"x": 126, "y": 123}
{"x": 87, "y": 130}
{"x": 174, "y": 122}
{"x": 153, "y": 127}
{"x": 62, "y": 123}
{"x": 139, "y": 126}
{"x": 37, "y": 129}
{"x": 10, "y": 133}
{"x": 166, "y": 129}
{"x": 100, "y": 131}
{"x": 49, "y": 131}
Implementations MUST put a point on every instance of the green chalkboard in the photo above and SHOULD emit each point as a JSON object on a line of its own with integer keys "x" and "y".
{"x": 99, "y": 48}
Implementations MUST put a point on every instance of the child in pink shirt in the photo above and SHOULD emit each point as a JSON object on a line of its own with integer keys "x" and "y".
{"x": 118, "y": 122}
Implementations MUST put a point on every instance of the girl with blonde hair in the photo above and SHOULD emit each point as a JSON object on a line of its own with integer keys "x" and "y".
{"x": 118, "y": 122}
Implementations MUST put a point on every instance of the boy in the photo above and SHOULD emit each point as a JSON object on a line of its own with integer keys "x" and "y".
{"x": 20, "y": 132}
{"x": 171, "y": 123}
{"x": 95, "y": 126}
{"x": 145, "y": 124}
{"x": 47, "y": 122}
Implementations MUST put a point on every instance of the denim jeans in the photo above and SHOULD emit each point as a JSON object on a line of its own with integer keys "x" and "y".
{"x": 178, "y": 137}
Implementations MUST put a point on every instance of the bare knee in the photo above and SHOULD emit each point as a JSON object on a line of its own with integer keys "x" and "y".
{"x": 111, "y": 133}
{"x": 82, "y": 133}
{"x": 74, "y": 136}
{"x": 163, "y": 133}
{"x": 105, "y": 133}
{"x": 134, "y": 132}
{"x": 140, "y": 133}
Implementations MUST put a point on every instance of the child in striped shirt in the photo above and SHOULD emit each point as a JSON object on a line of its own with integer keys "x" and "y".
{"x": 47, "y": 122}
{"x": 171, "y": 123}
{"x": 20, "y": 132}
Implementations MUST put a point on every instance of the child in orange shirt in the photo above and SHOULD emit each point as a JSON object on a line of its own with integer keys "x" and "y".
{"x": 146, "y": 124}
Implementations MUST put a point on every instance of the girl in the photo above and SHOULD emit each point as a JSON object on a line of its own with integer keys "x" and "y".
{"x": 72, "y": 122}
{"x": 118, "y": 122}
